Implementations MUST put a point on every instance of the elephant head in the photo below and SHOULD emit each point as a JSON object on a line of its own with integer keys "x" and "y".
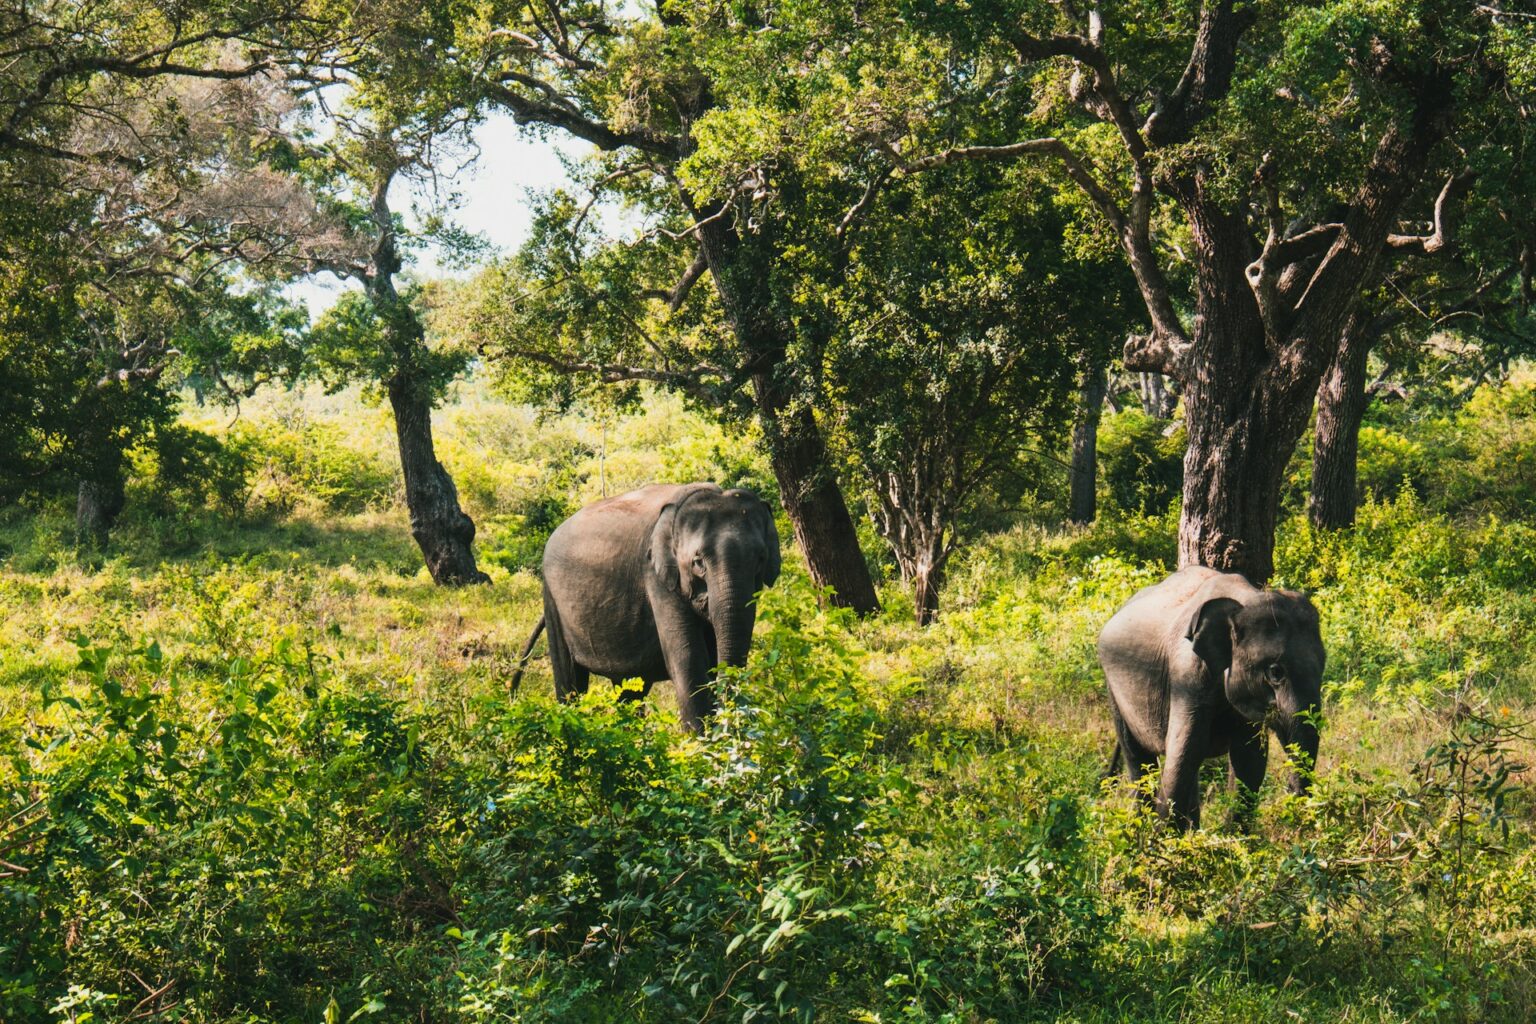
{"x": 717, "y": 549}
{"x": 1268, "y": 651}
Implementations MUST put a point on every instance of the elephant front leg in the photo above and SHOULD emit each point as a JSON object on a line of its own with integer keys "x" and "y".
{"x": 1178, "y": 794}
{"x": 1246, "y": 763}
{"x": 686, "y": 650}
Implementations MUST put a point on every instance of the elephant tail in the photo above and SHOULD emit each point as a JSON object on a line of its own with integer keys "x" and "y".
{"x": 1113, "y": 768}
{"x": 522, "y": 661}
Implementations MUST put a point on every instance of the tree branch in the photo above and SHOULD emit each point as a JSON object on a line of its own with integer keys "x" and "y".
{"x": 689, "y": 381}
{"x": 1207, "y": 76}
{"x": 857, "y": 209}
{"x": 1442, "y": 226}
{"x": 685, "y": 284}
{"x": 527, "y": 111}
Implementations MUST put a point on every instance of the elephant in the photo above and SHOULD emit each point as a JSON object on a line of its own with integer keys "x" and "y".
{"x": 1198, "y": 666}
{"x": 658, "y": 583}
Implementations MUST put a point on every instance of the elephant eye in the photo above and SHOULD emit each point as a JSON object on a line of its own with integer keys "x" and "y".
{"x": 698, "y": 561}
{"x": 1275, "y": 673}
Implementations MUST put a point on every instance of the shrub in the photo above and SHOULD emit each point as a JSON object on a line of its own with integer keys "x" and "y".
{"x": 303, "y": 462}
{"x": 1141, "y": 461}
{"x": 183, "y": 470}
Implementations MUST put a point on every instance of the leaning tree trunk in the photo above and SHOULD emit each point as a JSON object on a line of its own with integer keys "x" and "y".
{"x": 813, "y": 500}
{"x": 1083, "y": 491}
{"x": 99, "y": 502}
{"x": 797, "y": 451}
{"x": 1341, "y": 403}
{"x": 441, "y": 529}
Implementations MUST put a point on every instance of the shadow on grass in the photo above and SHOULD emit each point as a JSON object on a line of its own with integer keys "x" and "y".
{"x": 42, "y": 540}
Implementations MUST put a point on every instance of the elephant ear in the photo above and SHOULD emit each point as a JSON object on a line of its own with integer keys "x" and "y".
{"x": 1210, "y": 631}
{"x": 663, "y": 560}
{"x": 773, "y": 558}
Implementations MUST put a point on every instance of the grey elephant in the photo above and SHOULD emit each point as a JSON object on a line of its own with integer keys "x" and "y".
{"x": 1198, "y": 666}
{"x": 656, "y": 584}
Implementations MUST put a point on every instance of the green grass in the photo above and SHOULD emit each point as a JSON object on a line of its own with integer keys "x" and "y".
{"x": 283, "y": 776}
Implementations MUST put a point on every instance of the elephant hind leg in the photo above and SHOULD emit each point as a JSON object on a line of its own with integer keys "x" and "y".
{"x": 571, "y": 679}
{"x": 1131, "y": 753}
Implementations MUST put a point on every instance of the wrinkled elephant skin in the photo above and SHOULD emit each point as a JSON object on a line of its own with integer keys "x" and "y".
{"x": 1199, "y": 666}
{"x": 658, "y": 584}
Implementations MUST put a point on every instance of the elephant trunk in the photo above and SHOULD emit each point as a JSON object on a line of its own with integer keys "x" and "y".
{"x": 733, "y": 619}
{"x": 1301, "y": 740}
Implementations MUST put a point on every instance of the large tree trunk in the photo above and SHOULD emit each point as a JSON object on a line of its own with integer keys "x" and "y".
{"x": 1243, "y": 410}
{"x": 1083, "y": 499}
{"x": 1252, "y": 373}
{"x": 1239, "y": 444}
{"x": 441, "y": 529}
{"x": 1341, "y": 402}
{"x": 813, "y": 500}
{"x": 99, "y": 502}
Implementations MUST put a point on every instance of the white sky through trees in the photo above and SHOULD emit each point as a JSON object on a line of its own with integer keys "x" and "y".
{"x": 494, "y": 198}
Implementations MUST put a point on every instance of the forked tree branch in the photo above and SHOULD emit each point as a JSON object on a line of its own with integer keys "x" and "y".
{"x": 1442, "y": 226}
{"x": 1207, "y": 76}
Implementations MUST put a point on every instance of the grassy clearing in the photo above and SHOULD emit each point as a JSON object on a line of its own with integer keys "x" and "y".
{"x": 283, "y": 778}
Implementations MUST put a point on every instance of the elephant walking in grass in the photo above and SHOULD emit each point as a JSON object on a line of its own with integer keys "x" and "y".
{"x": 1201, "y": 665}
{"x": 656, "y": 584}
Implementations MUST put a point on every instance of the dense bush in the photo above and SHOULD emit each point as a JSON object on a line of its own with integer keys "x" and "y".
{"x": 184, "y": 470}
{"x": 299, "y": 461}
{"x": 1141, "y": 461}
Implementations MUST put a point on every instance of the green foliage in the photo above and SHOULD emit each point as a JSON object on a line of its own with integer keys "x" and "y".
{"x": 301, "y": 461}
{"x": 1141, "y": 461}
{"x": 184, "y": 471}
{"x": 311, "y": 799}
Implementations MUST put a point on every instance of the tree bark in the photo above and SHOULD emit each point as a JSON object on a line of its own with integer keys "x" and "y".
{"x": 1083, "y": 498}
{"x": 813, "y": 500}
{"x": 1244, "y": 410}
{"x": 99, "y": 502}
{"x": 1239, "y": 444}
{"x": 440, "y": 528}
{"x": 1341, "y": 403}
